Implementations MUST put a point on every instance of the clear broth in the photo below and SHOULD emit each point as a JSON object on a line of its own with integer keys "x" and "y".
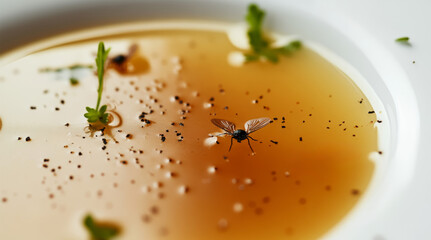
{"x": 298, "y": 186}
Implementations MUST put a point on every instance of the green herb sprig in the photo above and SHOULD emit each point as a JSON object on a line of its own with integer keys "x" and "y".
{"x": 100, "y": 231}
{"x": 259, "y": 44}
{"x": 99, "y": 114}
{"x": 404, "y": 40}
{"x": 73, "y": 81}
{"x": 71, "y": 68}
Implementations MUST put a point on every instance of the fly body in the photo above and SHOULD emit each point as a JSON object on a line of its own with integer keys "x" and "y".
{"x": 240, "y": 134}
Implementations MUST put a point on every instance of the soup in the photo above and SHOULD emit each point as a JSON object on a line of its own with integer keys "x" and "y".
{"x": 156, "y": 171}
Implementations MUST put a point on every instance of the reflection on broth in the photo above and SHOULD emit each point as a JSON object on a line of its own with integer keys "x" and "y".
{"x": 153, "y": 174}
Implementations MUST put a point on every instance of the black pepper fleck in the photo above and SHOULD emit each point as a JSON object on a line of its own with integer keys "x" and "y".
{"x": 355, "y": 192}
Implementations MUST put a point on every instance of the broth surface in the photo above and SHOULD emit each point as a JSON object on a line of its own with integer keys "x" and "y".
{"x": 154, "y": 174}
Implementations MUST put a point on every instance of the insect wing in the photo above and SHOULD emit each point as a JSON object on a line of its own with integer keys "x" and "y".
{"x": 256, "y": 124}
{"x": 224, "y": 124}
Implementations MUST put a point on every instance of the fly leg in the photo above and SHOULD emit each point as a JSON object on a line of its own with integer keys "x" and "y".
{"x": 251, "y": 138}
{"x": 231, "y": 142}
{"x": 250, "y": 144}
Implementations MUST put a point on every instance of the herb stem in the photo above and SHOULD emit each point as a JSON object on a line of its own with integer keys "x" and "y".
{"x": 99, "y": 114}
{"x": 102, "y": 54}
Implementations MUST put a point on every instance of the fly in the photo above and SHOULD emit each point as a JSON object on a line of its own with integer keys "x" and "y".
{"x": 239, "y": 134}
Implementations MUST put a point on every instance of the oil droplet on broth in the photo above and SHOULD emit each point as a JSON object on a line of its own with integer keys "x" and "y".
{"x": 238, "y": 207}
{"x": 310, "y": 168}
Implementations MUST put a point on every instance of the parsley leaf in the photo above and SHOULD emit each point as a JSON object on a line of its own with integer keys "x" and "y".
{"x": 259, "y": 44}
{"x": 94, "y": 115}
{"x": 98, "y": 114}
{"x": 402, "y": 39}
{"x": 289, "y": 48}
{"x": 100, "y": 231}
{"x": 73, "y": 81}
{"x": 254, "y": 19}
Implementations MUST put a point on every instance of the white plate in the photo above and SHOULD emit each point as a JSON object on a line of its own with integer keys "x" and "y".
{"x": 398, "y": 204}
